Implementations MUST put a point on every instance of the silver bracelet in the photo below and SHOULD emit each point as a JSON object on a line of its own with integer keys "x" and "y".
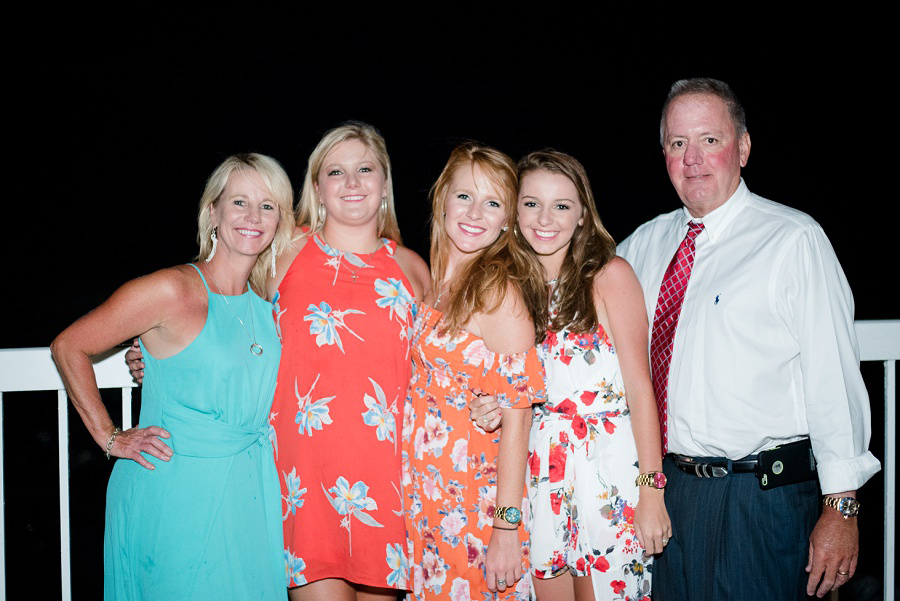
{"x": 112, "y": 438}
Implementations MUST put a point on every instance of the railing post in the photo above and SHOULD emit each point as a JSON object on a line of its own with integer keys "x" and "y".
{"x": 890, "y": 476}
{"x": 65, "y": 546}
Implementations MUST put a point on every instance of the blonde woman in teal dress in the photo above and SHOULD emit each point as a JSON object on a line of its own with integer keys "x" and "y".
{"x": 193, "y": 503}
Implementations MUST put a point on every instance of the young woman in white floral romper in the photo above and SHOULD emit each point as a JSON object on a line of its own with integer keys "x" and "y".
{"x": 590, "y": 535}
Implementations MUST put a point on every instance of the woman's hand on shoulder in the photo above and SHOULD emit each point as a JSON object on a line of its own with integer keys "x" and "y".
{"x": 416, "y": 271}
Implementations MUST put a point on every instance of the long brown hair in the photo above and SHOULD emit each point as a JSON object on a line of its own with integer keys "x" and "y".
{"x": 484, "y": 280}
{"x": 591, "y": 249}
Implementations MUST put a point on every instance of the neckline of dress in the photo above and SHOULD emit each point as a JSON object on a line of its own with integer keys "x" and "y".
{"x": 382, "y": 243}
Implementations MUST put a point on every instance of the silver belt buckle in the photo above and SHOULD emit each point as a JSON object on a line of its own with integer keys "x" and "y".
{"x": 705, "y": 470}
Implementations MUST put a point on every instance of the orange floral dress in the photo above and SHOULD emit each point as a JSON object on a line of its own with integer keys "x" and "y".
{"x": 450, "y": 463}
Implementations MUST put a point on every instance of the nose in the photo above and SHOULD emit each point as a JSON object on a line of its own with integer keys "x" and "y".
{"x": 254, "y": 214}
{"x": 693, "y": 155}
{"x": 544, "y": 217}
{"x": 474, "y": 211}
{"x": 352, "y": 180}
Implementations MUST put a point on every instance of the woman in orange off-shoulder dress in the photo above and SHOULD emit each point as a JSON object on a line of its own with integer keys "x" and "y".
{"x": 464, "y": 487}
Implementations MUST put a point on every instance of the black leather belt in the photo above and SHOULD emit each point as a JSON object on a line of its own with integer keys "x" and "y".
{"x": 714, "y": 467}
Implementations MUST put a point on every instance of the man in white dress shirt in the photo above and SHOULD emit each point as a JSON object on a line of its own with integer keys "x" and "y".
{"x": 764, "y": 354}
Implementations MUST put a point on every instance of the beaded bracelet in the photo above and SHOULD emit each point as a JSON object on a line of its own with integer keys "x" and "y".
{"x": 504, "y": 528}
{"x": 112, "y": 438}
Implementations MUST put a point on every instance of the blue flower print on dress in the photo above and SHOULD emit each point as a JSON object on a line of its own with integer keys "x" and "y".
{"x": 276, "y": 308}
{"x": 312, "y": 415}
{"x": 324, "y": 323}
{"x": 335, "y": 257}
{"x": 293, "y": 569}
{"x": 398, "y": 563}
{"x": 352, "y": 502}
{"x": 396, "y": 298}
{"x": 380, "y": 415}
{"x": 294, "y": 497}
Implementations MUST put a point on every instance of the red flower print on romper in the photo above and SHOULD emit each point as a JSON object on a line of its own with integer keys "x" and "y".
{"x": 601, "y": 564}
{"x": 556, "y": 501}
{"x": 588, "y": 397}
{"x": 557, "y": 462}
{"x": 579, "y": 427}
{"x": 618, "y": 586}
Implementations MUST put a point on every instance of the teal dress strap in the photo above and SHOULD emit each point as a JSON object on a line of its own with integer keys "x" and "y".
{"x": 201, "y": 276}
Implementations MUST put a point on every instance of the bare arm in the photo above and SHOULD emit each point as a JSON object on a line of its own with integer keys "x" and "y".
{"x": 508, "y": 330}
{"x": 416, "y": 271}
{"x": 620, "y": 309}
{"x": 140, "y": 307}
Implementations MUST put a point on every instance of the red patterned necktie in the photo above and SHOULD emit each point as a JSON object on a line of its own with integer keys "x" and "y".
{"x": 668, "y": 308}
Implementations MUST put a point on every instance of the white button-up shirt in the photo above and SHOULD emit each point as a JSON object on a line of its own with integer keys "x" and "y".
{"x": 765, "y": 352}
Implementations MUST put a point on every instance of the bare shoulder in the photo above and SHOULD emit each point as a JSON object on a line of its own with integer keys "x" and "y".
{"x": 617, "y": 277}
{"x": 415, "y": 269}
{"x": 285, "y": 259}
{"x": 508, "y": 329}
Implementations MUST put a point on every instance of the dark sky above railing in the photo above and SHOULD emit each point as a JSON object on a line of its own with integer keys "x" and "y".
{"x": 115, "y": 141}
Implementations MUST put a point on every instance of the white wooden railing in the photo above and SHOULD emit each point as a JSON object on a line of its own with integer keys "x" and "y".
{"x": 34, "y": 370}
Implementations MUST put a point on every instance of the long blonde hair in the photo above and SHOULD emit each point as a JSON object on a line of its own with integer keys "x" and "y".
{"x": 311, "y": 214}
{"x": 484, "y": 280}
{"x": 591, "y": 249}
{"x": 279, "y": 186}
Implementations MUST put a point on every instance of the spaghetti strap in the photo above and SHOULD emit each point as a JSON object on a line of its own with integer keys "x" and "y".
{"x": 201, "y": 277}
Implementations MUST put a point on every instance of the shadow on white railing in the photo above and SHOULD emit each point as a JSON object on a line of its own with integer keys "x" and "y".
{"x": 33, "y": 370}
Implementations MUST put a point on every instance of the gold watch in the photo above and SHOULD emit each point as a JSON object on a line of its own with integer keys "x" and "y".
{"x": 653, "y": 479}
{"x": 848, "y": 507}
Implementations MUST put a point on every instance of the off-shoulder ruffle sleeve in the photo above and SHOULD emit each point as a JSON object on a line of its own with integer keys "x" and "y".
{"x": 517, "y": 380}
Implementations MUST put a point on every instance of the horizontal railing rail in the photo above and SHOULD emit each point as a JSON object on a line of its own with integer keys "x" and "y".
{"x": 33, "y": 369}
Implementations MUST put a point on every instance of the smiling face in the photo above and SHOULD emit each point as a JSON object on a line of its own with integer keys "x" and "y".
{"x": 245, "y": 215}
{"x": 549, "y": 212}
{"x": 351, "y": 184}
{"x": 703, "y": 153}
{"x": 474, "y": 210}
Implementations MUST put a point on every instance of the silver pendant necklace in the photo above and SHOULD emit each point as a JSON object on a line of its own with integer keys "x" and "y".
{"x": 255, "y": 348}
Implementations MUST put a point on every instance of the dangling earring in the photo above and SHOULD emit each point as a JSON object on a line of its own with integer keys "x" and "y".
{"x": 322, "y": 213}
{"x": 273, "y": 257}
{"x": 504, "y": 228}
{"x": 212, "y": 253}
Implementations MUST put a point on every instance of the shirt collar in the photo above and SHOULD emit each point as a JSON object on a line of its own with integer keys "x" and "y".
{"x": 717, "y": 221}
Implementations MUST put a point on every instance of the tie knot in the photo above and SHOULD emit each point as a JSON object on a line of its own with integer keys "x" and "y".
{"x": 694, "y": 230}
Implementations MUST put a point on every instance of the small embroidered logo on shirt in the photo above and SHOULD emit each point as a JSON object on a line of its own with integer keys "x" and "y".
{"x": 717, "y": 300}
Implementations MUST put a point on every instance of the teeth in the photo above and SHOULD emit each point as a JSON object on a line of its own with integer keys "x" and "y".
{"x": 470, "y": 229}
{"x": 353, "y": 197}
{"x": 544, "y": 234}
{"x": 253, "y": 233}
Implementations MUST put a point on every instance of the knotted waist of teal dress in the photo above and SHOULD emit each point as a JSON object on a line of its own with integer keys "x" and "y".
{"x": 196, "y": 434}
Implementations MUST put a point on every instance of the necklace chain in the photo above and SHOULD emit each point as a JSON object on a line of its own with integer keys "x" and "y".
{"x": 255, "y": 348}
{"x": 341, "y": 254}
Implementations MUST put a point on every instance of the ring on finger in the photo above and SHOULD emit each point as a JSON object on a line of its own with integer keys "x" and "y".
{"x": 843, "y": 573}
{"x": 665, "y": 541}
{"x": 501, "y": 582}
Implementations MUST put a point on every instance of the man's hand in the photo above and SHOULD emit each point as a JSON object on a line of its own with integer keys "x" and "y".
{"x": 833, "y": 552}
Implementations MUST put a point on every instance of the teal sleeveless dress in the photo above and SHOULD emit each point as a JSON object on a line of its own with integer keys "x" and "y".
{"x": 207, "y": 523}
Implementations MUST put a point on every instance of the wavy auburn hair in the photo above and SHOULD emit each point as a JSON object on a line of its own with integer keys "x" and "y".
{"x": 482, "y": 284}
{"x": 591, "y": 249}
